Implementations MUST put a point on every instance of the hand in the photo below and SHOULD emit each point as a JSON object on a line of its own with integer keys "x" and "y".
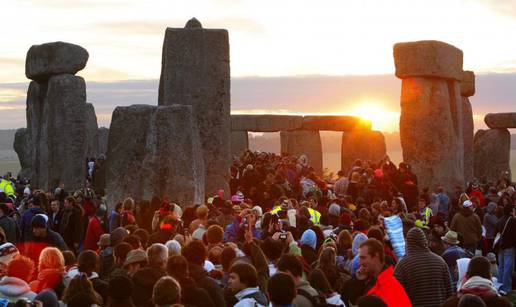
{"x": 275, "y": 236}
{"x": 248, "y": 235}
{"x": 290, "y": 237}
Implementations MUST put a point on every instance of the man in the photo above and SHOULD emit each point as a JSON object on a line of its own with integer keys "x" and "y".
{"x": 444, "y": 201}
{"x": 341, "y": 185}
{"x": 55, "y": 215}
{"x": 468, "y": 225}
{"x": 25, "y": 225}
{"x": 41, "y": 237}
{"x": 72, "y": 224}
{"x": 94, "y": 230}
{"x": 425, "y": 213}
{"x": 420, "y": 265}
{"x": 506, "y": 226}
{"x": 282, "y": 290}
{"x": 87, "y": 263}
{"x": 166, "y": 292}
{"x": 452, "y": 253}
{"x": 135, "y": 260}
{"x": 374, "y": 277}
{"x": 145, "y": 278}
{"x": 291, "y": 265}
{"x": 242, "y": 281}
{"x": 8, "y": 224}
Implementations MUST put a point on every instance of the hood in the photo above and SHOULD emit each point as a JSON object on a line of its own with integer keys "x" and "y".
{"x": 12, "y": 286}
{"x": 309, "y": 238}
{"x": 479, "y": 286}
{"x": 416, "y": 240}
{"x": 148, "y": 276}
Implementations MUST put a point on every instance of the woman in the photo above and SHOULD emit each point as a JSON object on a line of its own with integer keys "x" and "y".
{"x": 81, "y": 286}
{"x": 308, "y": 243}
{"x": 319, "y": 281}
{"x": 51, "y": 270}
{"x": 328, "y": 265}
{"x": 15, "y": 285}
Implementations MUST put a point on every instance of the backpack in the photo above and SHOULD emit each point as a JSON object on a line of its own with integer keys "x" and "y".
{"x": 317, "y": 301}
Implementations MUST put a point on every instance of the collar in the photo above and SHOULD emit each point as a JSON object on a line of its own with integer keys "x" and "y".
{"x": 247, "y": 291}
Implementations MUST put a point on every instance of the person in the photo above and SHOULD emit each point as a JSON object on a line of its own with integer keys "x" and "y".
{"x": 425, "y": 213}
{"x": 87, "y": 264}
{"x": 81, "y": 290}
{"x": 341, "y": 185}
{"x": 308, "y": 246}
{"x": 134, "y": 261}
{"x": 55, "y": 215}
{"x": 468, "y": 225}
{"x": 452, "y": 253}
{"x": 420, "y": 265}
{"x": 50, "y": 271}
{"x": 9, "y": 225}
{"x": 120, "y": 290}
{"x": 375, "y": 278}
{"x": 40, "y": 238}
{"x": 242, "y": 282}
{"x": 166, "y": 292}
{"x": 489, "y": 223}
{"x": 195, "y": 254}
{"x": 94, "y": 229}
{"x": 320, "y": 283}
{"x": 114, "y": 217}
{"x": 72, "y": 224}
{"x": 191, "y": 294}
{"x": 14, "y": 285}
{"x": 291, "y": 265}
{"x": 145, "y": 278}
{"x": 444, "y": 202}
{"x": 282, "y": 290}
{"x": 478, "y": 282}
{"x": 26, "y": 218}
{"x": 506, "y": 227}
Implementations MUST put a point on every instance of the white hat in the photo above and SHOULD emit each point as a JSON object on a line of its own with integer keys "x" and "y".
{"x": 467, "y": 203}
{"x": 26, "y": 191}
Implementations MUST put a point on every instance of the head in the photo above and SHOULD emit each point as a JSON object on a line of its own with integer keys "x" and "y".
{"x": 422, "y": 201}
{"x": 39, "y": 226}
{"x": 143, "y": 235}
{"x": 120, "y": 288}
{"x": 128, "y": 204}
{"x": 242, "y": 275}
{"x": 134, "y": 241}
{"x": 79, "y": 285}
{"x": 371, "y": 257}
{"x": 195, "y": 252}
{"x": 174, "y": 248}
{"x": 69, "y": 258}
{"x": 479, "y": 266}
{"x": 291, "y": 265}
{"x": 157, "y": 254}
{"x": 88, "y": 262}
{"x": 120, "y": 252}
{"x": 21, "y": 267}
{"x": 281, "y": 289}
{"x": 69, "y": 202}
{"x": 135, "y": 260}
{"x": 328, "y": 258}
{"x": 202, "y": 212}
{"x": 50, "y": 258}
{"x": 54, "y": 206}
{"x": 177, "y": 267}
{"x": 166, "y": 291}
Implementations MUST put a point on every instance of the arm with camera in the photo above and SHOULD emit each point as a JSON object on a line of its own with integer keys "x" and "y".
{"x": 259, "y": 260}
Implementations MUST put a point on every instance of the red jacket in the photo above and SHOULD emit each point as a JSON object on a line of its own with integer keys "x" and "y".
{"x": 481, "y": 198}
{"x": 93, "y": 234}
{"x": 389, "y": 289}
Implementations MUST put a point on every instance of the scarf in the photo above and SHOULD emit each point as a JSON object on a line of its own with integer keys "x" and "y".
{"x": 479, "y": 286}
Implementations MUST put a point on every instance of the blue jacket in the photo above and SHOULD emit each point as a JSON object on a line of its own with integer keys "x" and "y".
{"x": 444, "y": 203}
{"x": 232, "y": 231}
{"x": 25, "y": 224}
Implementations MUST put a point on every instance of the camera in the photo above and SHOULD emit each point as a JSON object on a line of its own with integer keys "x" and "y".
{"x": 283, "y": 236}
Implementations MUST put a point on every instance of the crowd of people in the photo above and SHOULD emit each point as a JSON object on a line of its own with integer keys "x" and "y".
{"x": 281, "y": 235}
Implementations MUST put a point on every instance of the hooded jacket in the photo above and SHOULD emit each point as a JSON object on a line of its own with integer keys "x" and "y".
{"x": 468, "y": 224}
{"x": 13, "y": 289}
{"x": 418, "y": 267}
{"x": 482, "y": 288}
{"x": 144, "y": 280}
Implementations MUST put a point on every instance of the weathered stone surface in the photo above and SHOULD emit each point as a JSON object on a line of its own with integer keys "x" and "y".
{"x": 193, "y": 23}
{"x": 23, "y": 148}
{"x": 239, "y": 143}
{"x": 102, "y": 135}
{"x": 492, "y": 153}
{"x": 307, "y": 143}
{"x": 428, "y": 59}
{"x": 195, "y": 71}
{"x": 467, "y": 85}
{"x": 364, "y": 145}
{"x": 92, "y": 130}
{"x": 468, "y": 131}
{"x": 54, "y": 58}
{"x": 154, "y": 150}
{"x": 431, "y": 131}
{"x": 58, "y": 121}
{"x": 334, "y": 123}
{"x": 501, "y": 120}
{"x": 266, "y": 122}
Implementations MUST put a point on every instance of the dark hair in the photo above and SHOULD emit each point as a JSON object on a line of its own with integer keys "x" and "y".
{"x": 376, "y": 233}
{"x": 507, "y": 209}
{"x": 226, "y": 257}
{"x": 291, "y": 264}
{"x": 87, "y": 261}
{"x": 143, "y": 234}
{"x": 120, "y": 287}
{"x": 133, "y": 240}
{"x": 118, "y": 206}
{"x": 121, "y": 250}
{"x": 4, "y": 208}
{"x": 319, "y": 281}
{"x": 281, "y": 289}
{"x": 374, "y": 247}
{"x": 195, "y": 252}
{"x": 246, "y": 272}
{"x": 272, "y": 248}
{"x": 166, "y": 291}
{"x": 370, "y": 301}
{"x": 177, "y": 267}
{"x": 479, "y": 266}
{"x": 69, "y": 258}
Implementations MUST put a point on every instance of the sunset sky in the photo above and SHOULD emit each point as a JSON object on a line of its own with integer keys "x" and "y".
{"x": 329, "y": 57}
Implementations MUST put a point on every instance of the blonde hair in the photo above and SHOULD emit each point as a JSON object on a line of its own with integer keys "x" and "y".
{"x": 50, "y": 258}
{"x": 128, "y": 204}
{"x": 201, "y": 212}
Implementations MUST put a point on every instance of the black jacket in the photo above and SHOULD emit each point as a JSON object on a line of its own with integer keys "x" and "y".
{"x": 202, "y": 279}
{"x": 144, "y": 280}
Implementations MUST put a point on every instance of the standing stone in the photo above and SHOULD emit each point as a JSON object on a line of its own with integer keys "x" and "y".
{"x": 103, "y": 134}
{"x": 307, "y": 143}
{"x": 492, "y": 154}
{"x": 431, "y": 124}
{"x": 54, "y": 58}
{"x": 239, "y": 143}
{"x": 154, "y": 151}
{"x": 467, "y": 89}
{"x": 92, "y": 130}
{"x": 23, "y": 148}
{"x": 364, "y": 145}
{"x": 195, "y": 71}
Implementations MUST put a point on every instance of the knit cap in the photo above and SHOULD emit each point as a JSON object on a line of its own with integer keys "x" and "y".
{"x": 309, "y": 238}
